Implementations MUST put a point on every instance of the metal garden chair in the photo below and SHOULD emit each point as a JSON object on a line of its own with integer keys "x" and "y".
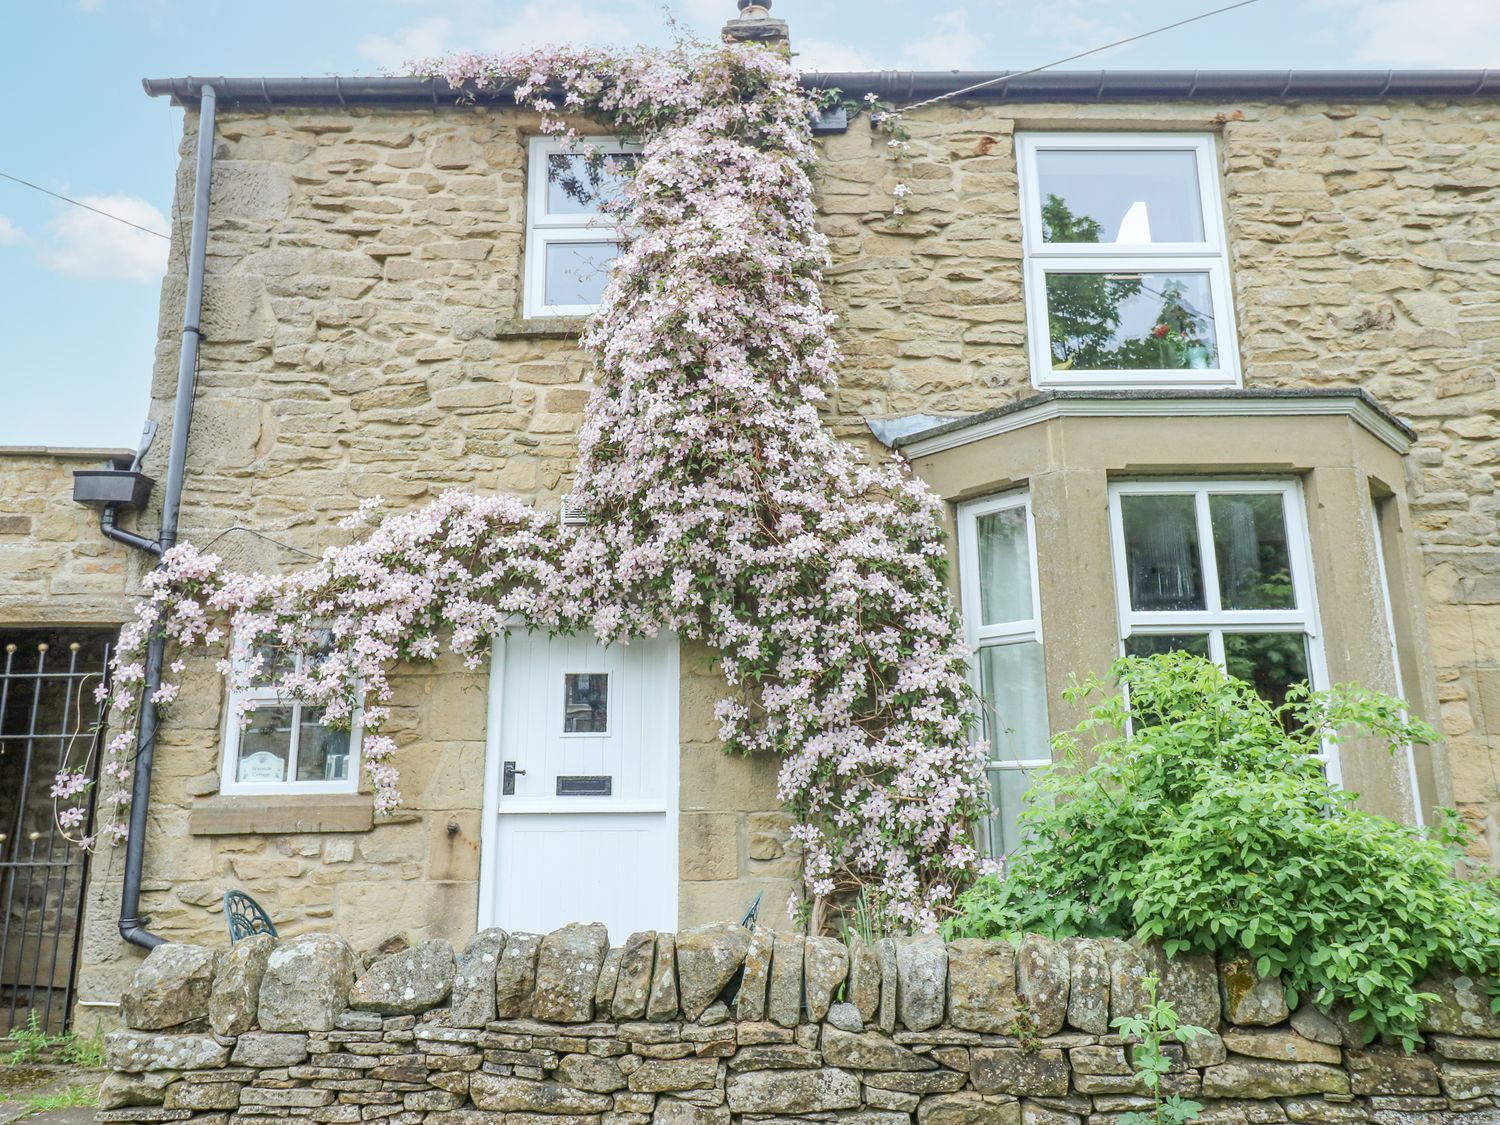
{"x": 245, "y": 916}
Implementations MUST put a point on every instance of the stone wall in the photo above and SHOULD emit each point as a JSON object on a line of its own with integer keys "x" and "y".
{"x": 720, "y": 1024}
{"x": 363, "y": 336}
{"x": 55, "y": 567}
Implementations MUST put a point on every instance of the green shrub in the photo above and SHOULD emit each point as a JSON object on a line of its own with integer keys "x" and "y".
{"x": 1199, "y": 815}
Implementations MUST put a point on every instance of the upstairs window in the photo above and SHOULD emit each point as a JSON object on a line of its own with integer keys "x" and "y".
{"x": 997, "y": 570}
{"x": 283, "y": 746}
{"x": 1126, "y": 282}
{"x": 572, "y": 239}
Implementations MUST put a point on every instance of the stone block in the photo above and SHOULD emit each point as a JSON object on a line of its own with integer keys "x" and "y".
{"x": 1042, "y": 976}
{"x": 1462, "y": 1007}
{"x": 203, "y": 1095}
{"x": 636, "y": 963}
{"x": 269, "y": 1049}
{"x": 825, "y": 965}
{"x": 567, "y": 972}
{"x": 1282, "y": 1046}
{"x": 1386, "y": 1072}
{"x": 412, "y": 981}
{"x": 864, "y": 979}
{"x": 784, "y": 1002}
{"x": 238, "y": 971}
{"x": 1249, "y": 999}
{"x": 1244, "y": 1079}
{"x": 968, "y": 1108}
{"x": 120, "y": 1089}
{"x": 663, "y": 1004}
{"x": 509, "y": 1094}
{"x": 586, "y": 1072}
{"x": 870, "y": 1051}
{"x": 750, "y": 1001}
{"x": 473, "y": 998}
{"x": 306, "y": 983}
{"x": 792, "y": 1092}
{"x": 1467, "y": 1080}
{"x": 1088, "y": 985}
{"x": 981, "y": 987}
{"x": 1011, "y": 1070}
{"x": 136, "y": 1051}
{"x": 708, "y": 958}
{"x": 172, "y": 987}
{"x": 609, "y": 980}
{"x": 515, "y": 976}
{"x": 660, "y": 1076}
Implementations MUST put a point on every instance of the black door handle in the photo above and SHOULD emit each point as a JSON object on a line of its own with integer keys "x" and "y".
{"x": 508, "y": 780}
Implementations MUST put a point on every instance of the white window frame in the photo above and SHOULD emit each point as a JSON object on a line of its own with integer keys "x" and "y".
{"x": 1214, "y": 620}
{"x": 1209, "y": 256}
{"x": 267, "y": 695}
{"x": 980, "y": 636}
{"x": 609, "y": 706}
{"x": 543, "y": 229}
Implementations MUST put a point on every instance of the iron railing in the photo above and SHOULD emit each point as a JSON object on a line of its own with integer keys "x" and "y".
{"x": 48, "y": 716}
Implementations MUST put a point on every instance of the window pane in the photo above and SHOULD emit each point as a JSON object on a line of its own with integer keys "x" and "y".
{"x": 1007, "y": 798}
{"x": 1119, "y": 195}
{"x": 1131, "y": 321}
{"x": 578, "y": 271}
{"x": 1272, "y": 662}
{"x": 1158, "y": 644}
{"x": 586, "y": 703}
{"x": 265, "y": 745}
{"x": 1004, "y": 567}
{"x": 1250, "y": 547}
{"x": 1162, "y": 560}
{"x": 276, "y": 662}
{"x": 322, "y": 753}
{"x": 1013, "y": 690}
{"x": 577, "y": 185}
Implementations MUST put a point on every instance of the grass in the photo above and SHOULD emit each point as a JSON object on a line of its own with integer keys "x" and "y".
{"x": 31, "y": 1043}
{"x": 71, "y": 1097}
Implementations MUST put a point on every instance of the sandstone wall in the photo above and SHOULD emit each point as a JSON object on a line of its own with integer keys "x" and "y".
{"x": 363, "y": 336}
{"x": 720, "y": 1024}
{"x": 55, "y": 567}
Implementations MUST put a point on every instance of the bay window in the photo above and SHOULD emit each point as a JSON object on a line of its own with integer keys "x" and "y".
{"x": 1220, "y": 569}
{"x": 997, "y": 572}
{"x": 1126, "y": 281}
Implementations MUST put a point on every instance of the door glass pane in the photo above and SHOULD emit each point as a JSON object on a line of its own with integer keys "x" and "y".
{"x": 1004, "y": 567}
{"x": 1271, "y": 662}
{"x": 1007, "y": 799}
{"x": 586, "y": 703}
{"x": 1162, "y": 560}
{"x": 322, "y": 753}
{"x": 1119, "y": 195}
{"x": 1250, "y": 547}
{"x": 1013, "y": 690}
{"x": 578, "y": 271}
{"x": 265, "y": 745}
{"x": 1157, "y": 644}
{"x": 577, "y": 185}
{"x": 1131, "y": 321}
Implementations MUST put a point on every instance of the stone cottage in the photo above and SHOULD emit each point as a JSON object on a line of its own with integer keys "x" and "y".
{"x": 1198, "y": 361}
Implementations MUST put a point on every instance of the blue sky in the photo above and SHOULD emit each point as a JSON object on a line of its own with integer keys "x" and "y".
{"x": 78, "y": 294}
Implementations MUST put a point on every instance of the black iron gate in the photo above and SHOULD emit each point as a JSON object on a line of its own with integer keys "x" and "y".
{"x": 48, "y": 715}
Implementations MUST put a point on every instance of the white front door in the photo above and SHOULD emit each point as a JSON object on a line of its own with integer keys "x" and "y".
{"x": 581, "y": 785}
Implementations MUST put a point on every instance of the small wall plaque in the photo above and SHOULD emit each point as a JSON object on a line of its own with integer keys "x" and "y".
{"x": 585, "y": 786}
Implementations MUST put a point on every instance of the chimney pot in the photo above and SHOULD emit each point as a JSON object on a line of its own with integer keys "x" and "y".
{"x": 755, "y": 25}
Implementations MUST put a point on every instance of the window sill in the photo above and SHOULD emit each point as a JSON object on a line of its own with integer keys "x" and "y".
{"x": 540, "y": 328}
{"x": 282, "y": 814}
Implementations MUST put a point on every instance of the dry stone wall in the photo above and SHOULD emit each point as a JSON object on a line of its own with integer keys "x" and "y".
{"x": 722, "y": 1024}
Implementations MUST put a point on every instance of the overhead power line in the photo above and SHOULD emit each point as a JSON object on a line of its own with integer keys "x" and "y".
{"x": 1079, "y": 55}
{"x": 80, "y": 203}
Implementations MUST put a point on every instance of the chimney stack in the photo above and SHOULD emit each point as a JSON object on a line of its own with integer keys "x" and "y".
{"x": 755, "y": 25}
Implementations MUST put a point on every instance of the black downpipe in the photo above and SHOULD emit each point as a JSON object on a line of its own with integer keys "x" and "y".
{"x": 132, "y": 925}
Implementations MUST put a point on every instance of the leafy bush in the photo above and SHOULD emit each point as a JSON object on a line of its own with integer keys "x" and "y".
{"x": 1199, "y": 815}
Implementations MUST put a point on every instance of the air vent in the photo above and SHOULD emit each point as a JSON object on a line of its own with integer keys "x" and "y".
{"x": 574, "y": 514}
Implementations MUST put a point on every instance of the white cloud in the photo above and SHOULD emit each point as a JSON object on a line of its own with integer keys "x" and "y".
{"x": 557, "y": 22}
{"x": 824, "y": 55}
{"x": 85, "y": 245}
{"x": 1423, "y": 33}
{"x": 9, "y": 232}
{"x": 418, "y": 41}
{"x": 947, "y": 45}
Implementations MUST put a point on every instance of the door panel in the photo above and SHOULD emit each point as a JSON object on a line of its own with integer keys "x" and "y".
{"x": 582, "y": 793}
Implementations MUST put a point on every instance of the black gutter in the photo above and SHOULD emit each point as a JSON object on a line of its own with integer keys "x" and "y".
{"x": 132, "y": 925}
{"x": 904, "y": 86}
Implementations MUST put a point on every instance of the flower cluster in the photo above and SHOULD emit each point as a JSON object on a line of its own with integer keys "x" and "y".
{"x": 721, "y": 506}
